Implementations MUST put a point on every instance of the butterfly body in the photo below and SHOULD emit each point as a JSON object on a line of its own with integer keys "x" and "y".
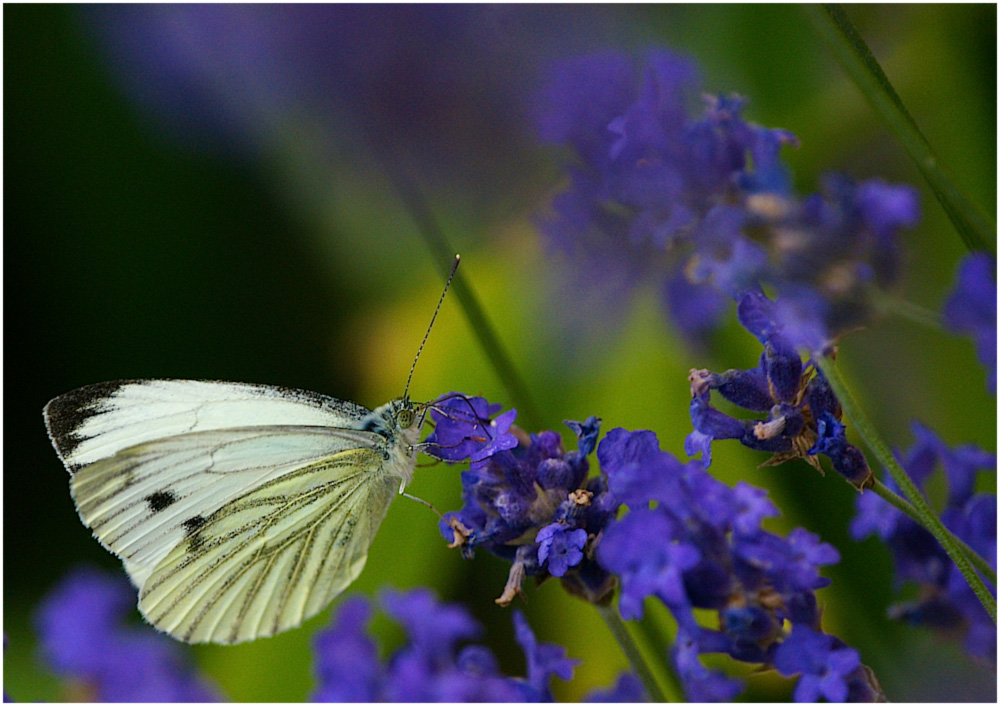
{"x": 238, "y": 510}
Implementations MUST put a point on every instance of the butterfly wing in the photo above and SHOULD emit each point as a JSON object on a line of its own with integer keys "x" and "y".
{"x": 275, "y": 556}
{"x": 98, "y": 421}
{"x": 158, "y": 464}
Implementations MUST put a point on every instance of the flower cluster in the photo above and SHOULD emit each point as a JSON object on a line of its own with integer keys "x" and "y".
{"x": 526, "y": 499}
{"x": 703, "y": 205}
{"x": 972, "y": 308}
{"x": 946, "y": 601}
{"x": 83, "y": 637}
{"x": 430, "y": 666}
{"x": 803, "y": 413}
{"x": 695, "y": 543}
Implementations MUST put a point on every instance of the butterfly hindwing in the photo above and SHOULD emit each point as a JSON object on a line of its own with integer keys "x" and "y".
{"x": 141, "y": 502}
{"x": 274, "y": 557}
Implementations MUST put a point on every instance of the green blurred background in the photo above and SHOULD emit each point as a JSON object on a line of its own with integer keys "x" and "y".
{"x": 134, "y": 252}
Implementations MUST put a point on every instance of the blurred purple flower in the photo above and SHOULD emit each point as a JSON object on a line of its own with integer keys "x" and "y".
{"x": 627, "y": 690}
{"x": 702, "y": 205}
{"x": 438, "y": 91}
{"x": 526, "y": 499}
{"x": 83, "y": 636}
{"x": 347, "y": 663}
{"x": 430, "y": 667}
{"x": 700, "y": 683}
{"x": 826, "y": 665}
{"x": 544, "y": 660}
{"x": 433, "y": 627}
{"x": 972, "y": 309}
{"x": 946, "y": 603}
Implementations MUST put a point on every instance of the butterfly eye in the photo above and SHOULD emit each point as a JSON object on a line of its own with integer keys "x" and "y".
{"x": 404, "y": 418}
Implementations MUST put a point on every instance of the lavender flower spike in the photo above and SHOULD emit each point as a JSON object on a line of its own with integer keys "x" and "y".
{"x": 526, "y": 499}
{"x": 972, "y": 309}
{"x": 430, "y": 666}
{"x": 803, "y": 414}
{"x": 702, "y": 547}
{"x": 84, "y": 637}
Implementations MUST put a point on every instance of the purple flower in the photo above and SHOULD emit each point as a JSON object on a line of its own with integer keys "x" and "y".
{"x": 972, "y": 309}
{"x": 700, "y": 683}
{"x": 648, "y": 178}
{"x": 752, "y": 506}
{"x": 544, "y": 660}
{"x": 803, "y": 414}
{"x": 639, "y": 550}
{"x": 347, "y": 664}
{"x": 83, "y": 636}
{"x": 946, "y": 601}
{"x": 433, "y": 627}
{"x": 825, "y": 667}
{"x": 560, "y": 548}
{"x": 702, "y": 205}
{"x": 627, "y": 690}
{"x": 430, "y": 666}
{"x": 875, "y": 515}
{"x": 702, "y": 546}
{"x": 463, "y": 429}
{"x": 526, "y": 499}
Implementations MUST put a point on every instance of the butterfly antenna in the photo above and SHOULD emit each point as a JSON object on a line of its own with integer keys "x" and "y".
{"x": 451, "y": 275}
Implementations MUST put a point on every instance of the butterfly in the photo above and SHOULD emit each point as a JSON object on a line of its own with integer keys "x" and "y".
{"x": 238, "y": 510}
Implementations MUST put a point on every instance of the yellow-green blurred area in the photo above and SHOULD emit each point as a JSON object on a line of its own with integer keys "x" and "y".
{"x": 288, "y": 258}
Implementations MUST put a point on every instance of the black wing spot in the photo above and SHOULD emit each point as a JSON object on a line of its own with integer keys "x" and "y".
{"x": 191, "y": 527}
{"x": 161, "y": 500}
{"x": 194, "y": 524}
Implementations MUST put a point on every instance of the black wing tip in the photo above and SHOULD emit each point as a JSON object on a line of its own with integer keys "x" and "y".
{"x": 65, "y": 414}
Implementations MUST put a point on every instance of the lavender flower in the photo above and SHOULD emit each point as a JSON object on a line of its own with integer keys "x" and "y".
{"x": 700, "y": 683}
{"x": 946, "y": 603}
{"x": 803, "y": 413}
{"x": 972, "y": 309}
{"x": 702, "y": 205}
{"x": 83, "y": 637}
{"x": 702, "y": 547}
{"x": 431, "y": 666}
{"x": 347, "y": 663}
{"x": 628, "y": 689}
{"x": 829, "y": 668}
{"x": 526, "y": 499}
{"x": 560, "y": 548}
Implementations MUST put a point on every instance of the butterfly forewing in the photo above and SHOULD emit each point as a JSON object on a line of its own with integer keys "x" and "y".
{"x": 98, "y": 421}
{"x": 238, "y": 510}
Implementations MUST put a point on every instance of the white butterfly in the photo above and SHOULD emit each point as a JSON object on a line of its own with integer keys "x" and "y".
{"x": 238, "y": 510}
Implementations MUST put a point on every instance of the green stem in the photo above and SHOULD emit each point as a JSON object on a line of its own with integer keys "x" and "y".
{"x": 923, "y": 316}
{"x": 884, "y": 492}
{"x": 444, "y": 255}
{"x": 660, "y": 645}
{"x": 922, "y": 511}
{"x": 631, "y": 650}
{"x": 832, "y": 23}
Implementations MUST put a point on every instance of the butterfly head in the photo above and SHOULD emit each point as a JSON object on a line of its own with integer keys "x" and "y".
{"x": 403, "y": 413}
